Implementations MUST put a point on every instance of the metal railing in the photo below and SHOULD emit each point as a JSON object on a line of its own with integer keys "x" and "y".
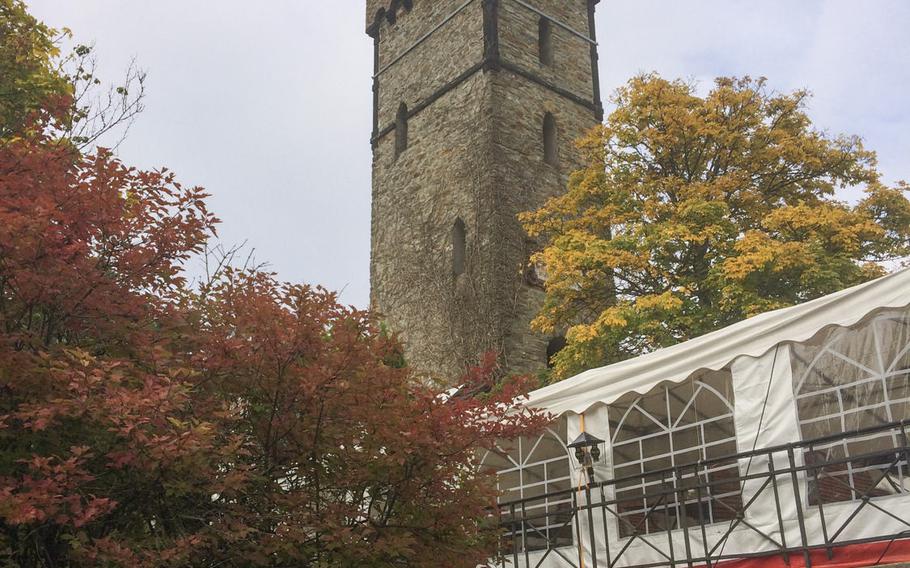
{"x": 607, "y": 523}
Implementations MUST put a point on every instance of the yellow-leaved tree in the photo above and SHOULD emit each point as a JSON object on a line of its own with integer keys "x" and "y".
{"x": 695, "y": 212}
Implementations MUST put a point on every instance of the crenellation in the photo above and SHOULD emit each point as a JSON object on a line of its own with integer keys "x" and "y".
{"x": 379, "y": 11}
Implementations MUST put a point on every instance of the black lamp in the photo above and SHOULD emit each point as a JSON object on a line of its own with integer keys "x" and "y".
{"x": 587, "y": 452}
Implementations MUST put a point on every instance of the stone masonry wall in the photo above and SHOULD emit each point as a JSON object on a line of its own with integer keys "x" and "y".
{"x": 571, "y": 68}
{"x": 443, "y": 175}
{"x": 475, "y": 153}
{"x": 527, "y": 179}
{"x": 440, "y": 58}
{"x": 527, "y": 182}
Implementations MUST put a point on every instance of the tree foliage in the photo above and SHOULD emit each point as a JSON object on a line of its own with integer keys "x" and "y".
{"x": 243, "y": 422}
{"x": 37, "y": 81}
{"x": 694, "y": 212}
{"x": 350, "y": 461}
{"x": 29, "y": 75}
{"x": 96, "y": 430}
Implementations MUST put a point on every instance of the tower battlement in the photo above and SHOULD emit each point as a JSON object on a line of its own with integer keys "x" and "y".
{"x": 379, "y": 10}
{"x": 477, "y": 104}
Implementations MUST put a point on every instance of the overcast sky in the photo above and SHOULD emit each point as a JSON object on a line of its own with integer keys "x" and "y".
{"x": 268, "y": 104}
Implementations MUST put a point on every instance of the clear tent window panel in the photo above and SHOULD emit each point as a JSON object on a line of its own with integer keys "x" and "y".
{"x": 669, "y": 455}
{"x": 849, "y": 380}
{"x": 535, "y": 470}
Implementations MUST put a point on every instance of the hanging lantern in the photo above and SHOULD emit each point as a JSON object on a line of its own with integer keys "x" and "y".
{"x": 587, "y": 452}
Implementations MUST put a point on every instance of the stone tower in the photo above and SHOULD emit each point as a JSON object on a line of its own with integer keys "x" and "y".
{"x": 477, "y": 104}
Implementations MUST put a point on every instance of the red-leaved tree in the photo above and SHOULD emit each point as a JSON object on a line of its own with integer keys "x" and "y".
{"x": 98, "y": 437}
{"x": 350, "y": 461}
{"x": 244, "y": 422}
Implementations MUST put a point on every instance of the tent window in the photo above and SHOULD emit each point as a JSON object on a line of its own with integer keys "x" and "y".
{"x": 401, "y": 130}
{"x": 534, "y": 466}
{"x": 459, "y": 246}
{"x": 672, "y": 426}
{"x": 846, "y": 380}
{"x": 549, "y": 140}
{"x": 545, "y": 41}
{"x": 554, "y": 346}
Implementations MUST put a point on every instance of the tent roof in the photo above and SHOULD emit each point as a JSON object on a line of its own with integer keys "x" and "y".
{"x": 749, "y": 338}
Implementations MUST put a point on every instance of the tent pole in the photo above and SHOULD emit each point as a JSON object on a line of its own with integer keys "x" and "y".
{"x": 581, "y": 548}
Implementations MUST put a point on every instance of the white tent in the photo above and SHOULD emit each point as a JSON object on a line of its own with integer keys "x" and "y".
{"x": 752, "y": 337}
{"x": 829, "y": 366}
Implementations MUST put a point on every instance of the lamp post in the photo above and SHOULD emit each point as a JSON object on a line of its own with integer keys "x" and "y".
{"x": 587, "y": 452}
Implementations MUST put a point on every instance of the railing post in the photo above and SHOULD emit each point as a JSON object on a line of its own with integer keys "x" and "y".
{"x": 581, "y": 553}
{"x": 905, "y": 455}
{"x": 829, "y": 552}
{"x": 603, "y": 513}
{"x": 799, "y": 506}
{"x": 683, "y": 515}
{"x": 663, "y": 484}
{"x": 591, "y": 524}
{"x": 514, "y": 534}
{"x": 780, "y": 517}
{"x": 524, "y": 531}
{"x": 701, "y": 514}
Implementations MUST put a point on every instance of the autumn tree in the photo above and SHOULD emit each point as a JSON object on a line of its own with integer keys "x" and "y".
{"x": 29, "y": 75}
{"x": 101, "y": 448}
{"x": 694, "y": 212}
{"x": 38, "y": 76}
{"x": 147, "y": 422}
{"x": 246, "y": 423}
{"x": 350, "y": 460}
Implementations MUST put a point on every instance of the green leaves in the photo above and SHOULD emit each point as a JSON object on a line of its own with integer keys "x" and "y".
{"x": 695, "y": 212}
{"x": 29, "y": 74}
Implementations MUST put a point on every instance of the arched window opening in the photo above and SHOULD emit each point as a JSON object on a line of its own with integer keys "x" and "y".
{"x": 459, "y": 246}
{"x": 401, "y": 130}
{"x": 545, "y": 41}
{"x": 554, "y": 346}
{"x": 529, "y": 468}
{"x": 676, "y": 426}
{"x": 549, "y": 140}
{"x": 846, "y": 380}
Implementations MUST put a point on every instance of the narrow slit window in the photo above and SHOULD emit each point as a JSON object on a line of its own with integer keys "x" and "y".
{"x": 550, "y": 154}
{"x": 459, "y": 245}
{"x": 401, "y": 130}
{"x": 545, "y": 41}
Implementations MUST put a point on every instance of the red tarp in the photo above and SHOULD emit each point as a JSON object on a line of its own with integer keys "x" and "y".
{"x": 852, "y": 556}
